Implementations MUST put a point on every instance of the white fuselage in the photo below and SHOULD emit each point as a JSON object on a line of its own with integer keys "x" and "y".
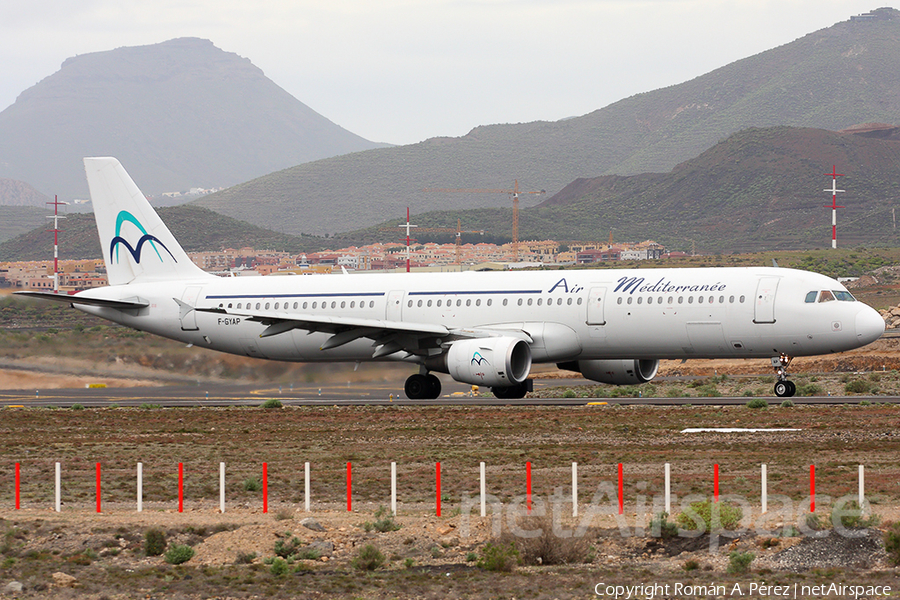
{"x": 570, "y": 315}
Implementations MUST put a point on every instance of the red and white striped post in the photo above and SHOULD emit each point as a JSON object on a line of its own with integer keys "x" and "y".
{"x": 98, "y": 487}
{"x": 621, "y": 491}
{"x": 528, "y": 486}
{"x": 716, "y": 482}
{"x": 265, "y": 488}
{"x": 349, "y": 488}
{"x": 812, "y": 488}
{"x": 834, "y": 205}
{"x": 437, "y": 475}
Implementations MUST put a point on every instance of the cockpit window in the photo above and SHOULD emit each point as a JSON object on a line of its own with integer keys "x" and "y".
{"x": 844, "y": 296}
{"x": 830, "y": 296}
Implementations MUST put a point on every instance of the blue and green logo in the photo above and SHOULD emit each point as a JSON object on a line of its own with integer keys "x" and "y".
{"x": 125, "y": 216}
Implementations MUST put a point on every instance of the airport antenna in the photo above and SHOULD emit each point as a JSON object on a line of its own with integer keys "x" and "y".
{"x": 834, "y": 205}
{"x": 56, "y": 217}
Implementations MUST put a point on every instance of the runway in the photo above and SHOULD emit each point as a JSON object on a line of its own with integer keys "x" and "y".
{"x": 356, "y": 394}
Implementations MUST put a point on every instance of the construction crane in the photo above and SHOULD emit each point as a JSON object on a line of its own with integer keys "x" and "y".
{"x": 515, "y": 194}
{"x": 458, "y": 231}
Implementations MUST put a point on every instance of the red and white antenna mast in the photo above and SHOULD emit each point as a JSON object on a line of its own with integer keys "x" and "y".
{"x": 834, "y": 205}
{"x": 408, "y": 226}
{"x": 56, "y": 217}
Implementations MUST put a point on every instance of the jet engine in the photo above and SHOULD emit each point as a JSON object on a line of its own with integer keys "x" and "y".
{"x": 492, "y": 362}
{"x": 615, "y": 372}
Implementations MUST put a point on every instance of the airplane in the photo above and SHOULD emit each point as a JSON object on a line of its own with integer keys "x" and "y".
{"x": 487, "y": 329}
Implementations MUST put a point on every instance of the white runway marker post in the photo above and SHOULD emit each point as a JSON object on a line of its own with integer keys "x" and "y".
{"x": 140, "y": 487}
{"x": 764, "y": 490}
{"x": 58, "y": 488}
{"x": 483, "y": 493}
{"x": 862, "y": 485}
{"x": 394, "y": 489}
{"x": 221, "y": 487}
{"x": 668, "y": 486}
{"x": 306, "y": 486}
{"x": 574, "y": 489}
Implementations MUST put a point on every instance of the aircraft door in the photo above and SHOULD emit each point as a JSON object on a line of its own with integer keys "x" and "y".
{"x": 394, "y": 309}
{"x": 595, "y": 304}
{"x": 764, "y": 302}
{"x": 187, "y": 313}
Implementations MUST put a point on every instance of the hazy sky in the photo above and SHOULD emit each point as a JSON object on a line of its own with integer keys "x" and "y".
{"x": 402, "y": 71}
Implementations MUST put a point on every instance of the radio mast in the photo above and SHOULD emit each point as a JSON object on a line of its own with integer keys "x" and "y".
{"x": 834, "y": 205}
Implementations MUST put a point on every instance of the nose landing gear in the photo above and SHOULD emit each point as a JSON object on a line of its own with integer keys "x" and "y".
{"x": 783, "y": 387}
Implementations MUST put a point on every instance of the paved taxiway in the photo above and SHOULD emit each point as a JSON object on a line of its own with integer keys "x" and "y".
{"x": 373, "y": 394}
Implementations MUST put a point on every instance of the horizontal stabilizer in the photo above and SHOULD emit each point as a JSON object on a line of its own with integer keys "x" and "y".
{"x": 130, "y": 303}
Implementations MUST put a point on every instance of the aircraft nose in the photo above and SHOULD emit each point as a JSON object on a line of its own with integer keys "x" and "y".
{"x": 869, "y": 326}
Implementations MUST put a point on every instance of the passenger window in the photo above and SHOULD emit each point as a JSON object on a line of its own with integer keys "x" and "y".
{"x": 314, "y": 304}
{"x": 478, "y": 302}
{"x": 530, "y": 300}
{"x": 229, "y": 305}
{"x": 276, "y": 306}
{"x": 439, "y": 303}
{"x": 660, "y": 300}
{"x": 569, "y": 302}
{"x": 333, "y": 304}
{"x": 619, "y": 301}
{"x": 257, "y": 306}
{"x": 731, "y": 299}
{"x": 579, "y": 302}
{"x": 690, "y": 299}
{"x": 699, "y": 300}
{"x": 826, "y": 296}
{"x": 372, "y": 304}
{"x": 239, "y": 305}
{"x": 295, "y": 305}
{"x": 505, "y": 301}
{"x": 520, "y": 302}
{"x": 671, "y": 299}
{"x": 428, "y": 303}
{"x": 540, "y": 301}
{"x": 680, "y": 299}
{"x": 640, "y": 299}
{"x": 304, "y": 306}
{"x": 489, "y": 301}
{"x": 469, "y": 302}
{"x": 559, "y": 301}
{"x": 712, "y": 299}
{"x": 419, "y": 304}
{"x": 267, "y": 306}
{"x": 741, "y": 300}
{"x": 630, "y": 299}
{"x": 343, "y": 304}
{"x": 721, "y": 299}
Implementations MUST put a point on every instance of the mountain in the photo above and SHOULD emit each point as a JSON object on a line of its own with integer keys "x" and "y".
{"x": 14, "y": 220}
{"x": 830, "y": 79}
{"x": 178, "y": 114}
{"x": 197, "y": 229}
{"x": 19, "y": 193}
{"x": 760, "y": 189}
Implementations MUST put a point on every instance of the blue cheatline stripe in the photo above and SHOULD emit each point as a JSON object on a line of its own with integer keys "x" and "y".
{"x": 474, "y": 292}
{"x": 328, "y": 295}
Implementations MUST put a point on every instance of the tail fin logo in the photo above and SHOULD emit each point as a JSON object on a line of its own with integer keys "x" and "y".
{"x": 135, "y": 251}
{"x": 478, "y": 359}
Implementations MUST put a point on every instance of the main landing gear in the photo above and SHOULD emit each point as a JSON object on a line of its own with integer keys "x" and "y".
{"x": 422, "y": 387}
{"x": 783, "y": 387}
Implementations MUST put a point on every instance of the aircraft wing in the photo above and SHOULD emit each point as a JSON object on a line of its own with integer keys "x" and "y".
{"x": 128, "y": 303}
{"x": 388, "y": 336}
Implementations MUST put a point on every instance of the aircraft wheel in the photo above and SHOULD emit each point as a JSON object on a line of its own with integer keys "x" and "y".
{"x": 434, "y": 386}
{"x": 417, "y": 387}
{"x": 513, "y": 392}
{"x": 785, "y": 389}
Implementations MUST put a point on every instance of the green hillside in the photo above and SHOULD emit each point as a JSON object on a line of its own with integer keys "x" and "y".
{"x": 831, "y": 79}
{"x": 16, "y": 219}
{"x": 761, "y": 189}
{"x": 196, "y": 228}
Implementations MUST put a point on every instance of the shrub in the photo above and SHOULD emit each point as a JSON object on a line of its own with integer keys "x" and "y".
{"x": 272, "y": 403}
{"x": 284, "y": 548}
{"x": 245, "y": 558}
{"x": 690, "y": 565}
{"x": 154, "y": 542}
{"x": 77, "y": 406}
{"x": 809, "y": 389}
{"x": 787, "y": 404}
{"x": 384, "y": 522}
{"x": 279, "y": 567}
{"x": 545, "y": 547}
{"x": 179, "y": 553}
{"x": 729, "y": 515}
{"x": 253, "y": 484}
{"x": 368, "y": 559}
{"x": 661, "y": 526}
{"x": 851, "y": 515}
{"x": 758, "y": 403}
{"x": 892, "y": 543}
{"x": 858, "y": 386}
{"x": 739, "y": 562}
{"x": 503, "y": 558}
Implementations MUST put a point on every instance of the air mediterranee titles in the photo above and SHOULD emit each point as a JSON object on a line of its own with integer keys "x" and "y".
{"x": 630, "y": 285}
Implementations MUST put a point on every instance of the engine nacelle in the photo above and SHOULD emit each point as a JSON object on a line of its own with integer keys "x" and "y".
{"x": 615, "y": 372}
{"x": 492, "y": 362}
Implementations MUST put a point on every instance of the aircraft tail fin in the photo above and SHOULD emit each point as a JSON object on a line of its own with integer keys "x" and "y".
{"x": 137, "y": 245}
